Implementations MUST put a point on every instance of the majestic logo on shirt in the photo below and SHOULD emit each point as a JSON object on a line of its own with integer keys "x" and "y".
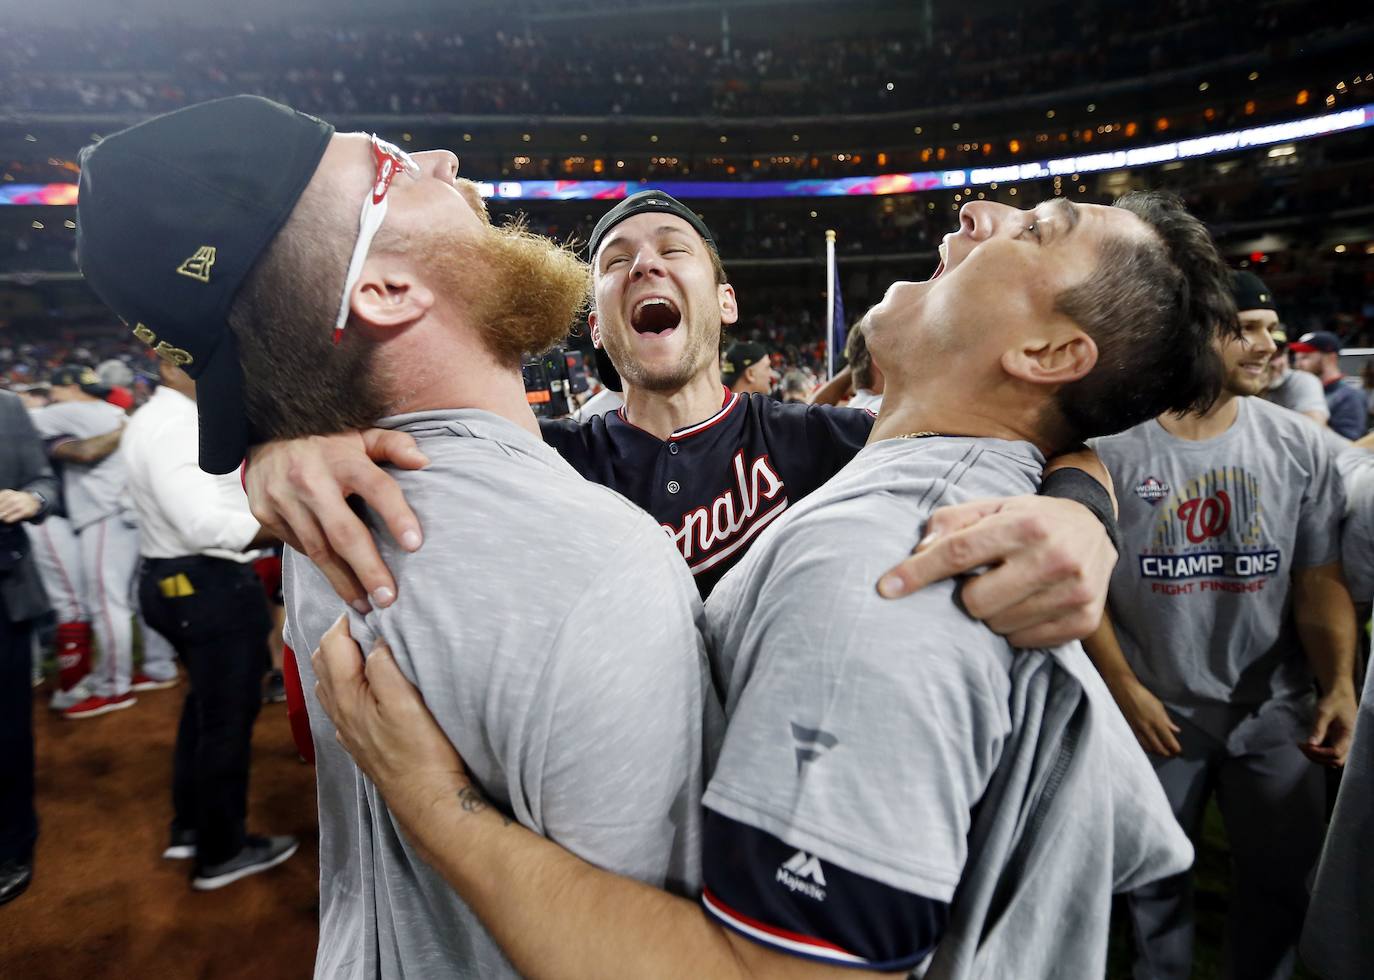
{"x": 713, "y": 532}
{"x": 1211, "y": 529}
{"x": 811, "y": 743}
{"x": 1151, "y": 490}
{"x": 802, "y": 874}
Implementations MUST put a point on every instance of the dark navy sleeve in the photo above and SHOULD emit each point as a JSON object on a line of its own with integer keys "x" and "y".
{"x": 1348, "y": 411}
{"x": 791, "y": 901}
{"x": 572, "y": 440}
{"x": 811, "y": 443}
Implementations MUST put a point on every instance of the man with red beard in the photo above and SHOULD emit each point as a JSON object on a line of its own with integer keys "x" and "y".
{"x": 247, "y": 263}
{"x": 712, "y": 467}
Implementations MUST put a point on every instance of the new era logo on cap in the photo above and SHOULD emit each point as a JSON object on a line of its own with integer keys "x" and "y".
{"x": 198, "y": 266}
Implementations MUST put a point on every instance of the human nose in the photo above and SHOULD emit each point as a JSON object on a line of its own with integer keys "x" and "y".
{"x": 440, "y": 164}
{"x": 647, "y": 262}
{"x": 981, "y": 219}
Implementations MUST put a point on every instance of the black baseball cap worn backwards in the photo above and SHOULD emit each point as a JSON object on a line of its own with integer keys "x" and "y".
{"x": 81, "y": 375}
{"x": 641, "y": 203}
{"x": 740, "y": 356}
{"x": 1250, "y": 292}
{"x": 172, "y": 216}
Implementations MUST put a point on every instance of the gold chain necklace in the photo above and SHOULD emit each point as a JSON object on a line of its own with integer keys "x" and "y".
{"x": 918, "y": 435}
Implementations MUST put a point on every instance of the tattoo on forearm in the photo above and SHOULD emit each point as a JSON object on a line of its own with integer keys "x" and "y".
{"x": 473, "y": 801}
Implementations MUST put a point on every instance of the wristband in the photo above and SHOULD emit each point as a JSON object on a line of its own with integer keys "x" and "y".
{"x": 1076, "y": 485}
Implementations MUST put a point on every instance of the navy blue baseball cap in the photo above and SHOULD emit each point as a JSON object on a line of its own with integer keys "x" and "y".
{"x": 171, "y": 218}
{"x": 1319, "y": 341}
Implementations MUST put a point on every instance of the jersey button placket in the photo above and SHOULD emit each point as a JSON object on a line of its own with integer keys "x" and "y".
{"x": 673, "y": 448}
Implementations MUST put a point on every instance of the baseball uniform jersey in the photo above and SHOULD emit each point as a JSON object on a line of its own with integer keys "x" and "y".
{"x": 583, "y": 707}
{"x": 92, "y": 491}
{"x": 715, "y": 485}
{"x": 101, "y": 514}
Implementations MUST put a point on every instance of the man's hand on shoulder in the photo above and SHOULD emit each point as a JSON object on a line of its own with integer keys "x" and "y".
{"x": 1048, "y": 562}
{"x": 299, "y": 490}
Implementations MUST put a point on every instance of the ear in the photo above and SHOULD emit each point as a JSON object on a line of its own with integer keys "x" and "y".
{"x": 1051, "y": 361}
{"x": 389, "y": 297}
{"x": 594, "y": 324}
{"x": 729, "y": 309}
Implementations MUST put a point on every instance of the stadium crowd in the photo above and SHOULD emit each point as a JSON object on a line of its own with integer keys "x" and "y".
{"x": 394, "y": 69}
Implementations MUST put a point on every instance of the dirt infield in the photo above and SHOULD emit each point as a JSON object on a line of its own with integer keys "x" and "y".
{"x": 103, "y": 903}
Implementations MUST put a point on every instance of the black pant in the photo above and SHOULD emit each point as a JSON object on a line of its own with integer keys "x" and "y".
{"x": 18, "y": 820}
{"x": 215, "y": 614}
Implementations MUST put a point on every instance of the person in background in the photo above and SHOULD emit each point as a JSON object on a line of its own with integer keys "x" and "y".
{"x": 1228, "y": 603}
{"x": 1292, "y": 389}
{"x": 746, "y": 369}
{"x": 796, "y": 387}
{"x": 93, "y": 489}
{"x": 197, "y": 585}
{"x": 118, "y": 379}
{"x": 27, "y": 492}
{"x": 1318, "y": 353}
{"x": 1367, "y": 382}
{"x": 866, "y": 376}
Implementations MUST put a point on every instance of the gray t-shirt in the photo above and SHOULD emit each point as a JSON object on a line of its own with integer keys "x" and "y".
{"x": 1357, "y": 533}
{"x": 866, "y": 732}
{"x": 582, "y": 704}
{"x": 1337, "y": 941}
{"x": 1299, "y": 391}
{"x": 92, "y": 492}
{"x": 1212, "y": 532}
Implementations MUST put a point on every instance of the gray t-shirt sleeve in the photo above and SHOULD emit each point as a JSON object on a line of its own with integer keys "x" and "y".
{"x": 868, "y": 729}
{"x": 52, "y": 423}
{"x": 1306, "y": 394}
{"x": 1318, "y": 541}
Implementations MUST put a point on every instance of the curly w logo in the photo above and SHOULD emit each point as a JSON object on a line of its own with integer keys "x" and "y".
{"x": 1206, "y": 517}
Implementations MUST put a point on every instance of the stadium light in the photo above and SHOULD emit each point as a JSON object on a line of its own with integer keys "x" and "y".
{"x": 1171, "y": 155}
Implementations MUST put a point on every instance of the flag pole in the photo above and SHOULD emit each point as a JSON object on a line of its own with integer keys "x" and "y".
{"x": 830, "y": 303}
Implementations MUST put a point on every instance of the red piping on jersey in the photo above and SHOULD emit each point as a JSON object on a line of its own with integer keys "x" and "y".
{"x": 731, "y": 400}
{"x": 772, "y": 930}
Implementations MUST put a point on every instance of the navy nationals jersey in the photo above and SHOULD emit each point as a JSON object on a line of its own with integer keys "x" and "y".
{"x": 715, "y": 485}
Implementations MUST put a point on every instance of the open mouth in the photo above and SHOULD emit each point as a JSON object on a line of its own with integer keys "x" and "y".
{"x": 655, "y": 315}
{"x": 944, "y": 254}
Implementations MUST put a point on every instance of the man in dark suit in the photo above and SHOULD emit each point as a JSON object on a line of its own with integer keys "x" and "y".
{"x": 27, "y": 489}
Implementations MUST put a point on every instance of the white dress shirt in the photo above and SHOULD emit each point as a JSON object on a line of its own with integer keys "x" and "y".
{"x": 182, "y": 510}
